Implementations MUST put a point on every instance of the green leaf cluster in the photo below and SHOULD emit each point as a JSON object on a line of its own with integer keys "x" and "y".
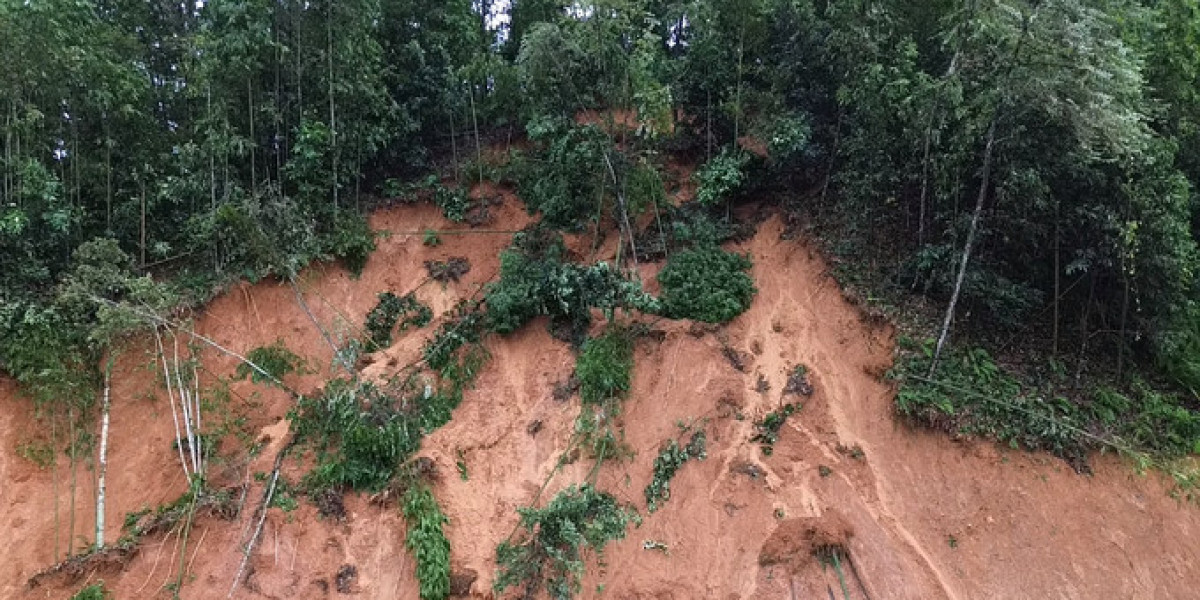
{"x": 706, "y": 284}
{"x": 548, "y": 550}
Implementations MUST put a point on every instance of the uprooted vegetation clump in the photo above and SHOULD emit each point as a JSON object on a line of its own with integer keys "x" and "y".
{"x": 668, "y": 462}
{"x": 548, "y": 548}
{"x": 766, "y": 430}
{"x": 392, "y": 310}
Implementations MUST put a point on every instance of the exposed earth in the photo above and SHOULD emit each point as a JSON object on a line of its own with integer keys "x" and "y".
{"x": 917, "y": 514}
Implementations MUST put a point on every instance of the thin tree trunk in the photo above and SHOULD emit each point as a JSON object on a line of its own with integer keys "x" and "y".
{"x": 108, "y": 144}
{"x": 142, "y": 185}
{"x": 478, "y": 143}
{"x": 837, "y": 139}
{"x": 253, "y": 140}
{"x": 1057, "y": 279}
{"x": 332, "y": 115}
{"x": 966, "y": 255}
{"x": 1124, "y": 324}
{"x": 1084, "y": 336}
{"x": 74, "y": 480}
{"x": 454, "y": 148}
{"x": 212, "y": 158}
{"x": 102, "y": 469}
{"x": 54, "y": 478}
{"x": 162, "y": 353}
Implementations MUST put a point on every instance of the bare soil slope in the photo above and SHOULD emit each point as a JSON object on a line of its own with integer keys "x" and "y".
{"x": 921, "y": 516}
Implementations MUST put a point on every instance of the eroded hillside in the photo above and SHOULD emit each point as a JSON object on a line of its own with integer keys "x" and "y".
{"x": 916, "y": 515}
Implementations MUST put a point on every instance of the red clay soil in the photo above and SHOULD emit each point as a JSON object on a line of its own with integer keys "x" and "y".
{"x": 918, "y": 515}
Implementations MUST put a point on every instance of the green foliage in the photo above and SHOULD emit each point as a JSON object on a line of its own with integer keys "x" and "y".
{"x": 550, "y": 544}
{"x": 427, "y": 542}
{"x": 766, "y": 430}
{"x": 706, "y": 284}
{"x": 95, "y": 591}
{"x": 972, "y": 395}
{"x": 721, "y": 177}
{"x": 453, "y": 202}
{"x": 465, "y": 326}
{"x": 605, "y": 366}
{"x": 390, "y": 310}
{"x": 535, "y": 282}
{"x": 361, "y": 433}
{"x": 668, "y": 462}
{"x": 275, "y": 359}
{"x": 567, "y": 181}
{"x": 351, "y": 241}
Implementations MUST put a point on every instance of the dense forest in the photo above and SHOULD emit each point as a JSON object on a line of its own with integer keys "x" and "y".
{"x": 1025, "y": 172}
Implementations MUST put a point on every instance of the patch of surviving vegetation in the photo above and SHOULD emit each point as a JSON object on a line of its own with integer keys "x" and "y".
{"x": 668, "y": 462}
{"x": 972, "y": 395}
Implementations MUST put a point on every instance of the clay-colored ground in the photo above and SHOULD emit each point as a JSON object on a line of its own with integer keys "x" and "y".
{"x": 738, "y": 525}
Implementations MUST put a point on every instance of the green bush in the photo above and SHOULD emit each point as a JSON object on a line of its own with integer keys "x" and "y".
{"x": 550, "y": 543}
{"x": 361, "y": 435}
{"x": 94, "y": 591}
{"x": 605, "y": 367}
{"x": 721, "y": 176}
{"x": 706, "y": 284}
{"x": 277, "y": 360}
{"x": 454, "y": 202}
{"x": 536, "y": 282}
{"x": 351, "y": 241}
{"x": 427, "y": 542}
{"x": 465, "y": 326}
{"x": 972, "y": 395}
{"x": 567, "y": 180}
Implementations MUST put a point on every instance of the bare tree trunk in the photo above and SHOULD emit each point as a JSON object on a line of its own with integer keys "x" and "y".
{"x": 102, "y": 468}
{"x": 1057, "y": 279}
{"x": 1124, "y": 324}
{"x": 966, "y": 255}
{"x": 142, "y": 186}
{"x": 253, "y": 140}
{"x": 332, "y": 114}
{"x": 478, "y": 144}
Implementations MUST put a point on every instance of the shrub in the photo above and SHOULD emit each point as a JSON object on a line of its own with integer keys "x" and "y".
{"x": 668, "y": 462}
{"x": 361, "y": 435}
{"x": 605, "y": 366}
{"x": 275, "y": 359}
{"x": 351, "y": 241}
{"x": 535, "y": 282}
{"x": 454, "y": 202}
{"x": 464, "y": 326}
{"x": 550, "y": 544}
{"x": 721, "y": 176}
{"x": 569, "y": 177}
{"x": 706, "y": 284}
{"x": 95, "y": 591}
{"x": 427, "y": 542}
